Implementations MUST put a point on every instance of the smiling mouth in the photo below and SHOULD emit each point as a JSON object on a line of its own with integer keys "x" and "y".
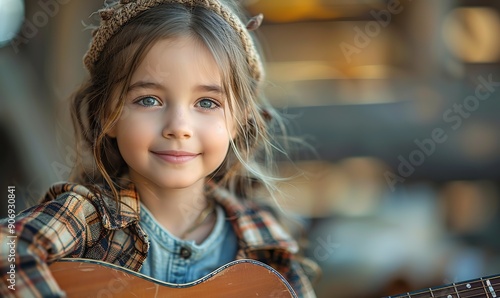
{"x": 176, "y": 157}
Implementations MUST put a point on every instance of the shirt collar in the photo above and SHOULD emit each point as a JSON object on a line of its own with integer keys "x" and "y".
{"x": 115, "y": 214}
{"x": 258, "y": 228}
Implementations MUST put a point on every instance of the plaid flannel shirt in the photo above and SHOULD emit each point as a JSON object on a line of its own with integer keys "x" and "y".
{"x": 73, "y": 222}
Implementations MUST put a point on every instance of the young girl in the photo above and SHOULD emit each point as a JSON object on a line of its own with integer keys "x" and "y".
{"x": 173, "y": 119}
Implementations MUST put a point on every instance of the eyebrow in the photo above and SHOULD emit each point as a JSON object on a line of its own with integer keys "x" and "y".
{"x": 153, "y": 85}
{"x": 144, "y": 85}
{"x": 210, "y": 88}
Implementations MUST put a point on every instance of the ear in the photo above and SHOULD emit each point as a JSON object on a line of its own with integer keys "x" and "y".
{"x": 234, "y": 132}
{"x": 112, "y": 132}
{"x": 111, "y": 116}
{"x": 110, "y": 113}
{"x": 231, "y": 125}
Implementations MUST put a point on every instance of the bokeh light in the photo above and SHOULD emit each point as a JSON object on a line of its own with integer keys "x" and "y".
{"x": 11, "y": 19}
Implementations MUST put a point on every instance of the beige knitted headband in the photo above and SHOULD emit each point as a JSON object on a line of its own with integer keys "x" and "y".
{"x": 113, "y": 17}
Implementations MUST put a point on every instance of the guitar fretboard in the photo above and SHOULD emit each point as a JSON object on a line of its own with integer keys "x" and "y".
{"x": 487, "y": 287}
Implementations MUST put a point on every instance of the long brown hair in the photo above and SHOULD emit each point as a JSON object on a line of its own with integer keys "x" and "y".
{"x": 98, "y": 103}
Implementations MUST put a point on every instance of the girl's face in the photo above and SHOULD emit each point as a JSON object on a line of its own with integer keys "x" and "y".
{"x": 175, "y": 127}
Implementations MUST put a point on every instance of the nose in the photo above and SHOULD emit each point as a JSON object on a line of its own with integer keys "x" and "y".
{"x": 178, "y": 124}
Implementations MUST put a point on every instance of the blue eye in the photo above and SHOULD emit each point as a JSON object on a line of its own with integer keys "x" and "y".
{"x": 148, "y": 101}
{"x": 207, "y": 104}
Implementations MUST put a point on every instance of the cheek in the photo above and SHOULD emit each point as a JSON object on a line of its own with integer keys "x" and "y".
{"x": 215, "y": 136}
{"x": 220, "y": 130}
{"x": 216, "y": 125}
{"x": 133, "y": 134}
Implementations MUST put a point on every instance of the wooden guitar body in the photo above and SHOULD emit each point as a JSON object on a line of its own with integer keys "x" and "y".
{"x": 241, "y": 278}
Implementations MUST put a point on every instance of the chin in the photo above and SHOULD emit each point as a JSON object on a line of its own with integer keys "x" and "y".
{"x": 177, "y": 183}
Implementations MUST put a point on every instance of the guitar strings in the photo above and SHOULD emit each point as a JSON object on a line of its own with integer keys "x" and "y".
{"x": 481, "y": 295}
{"x": 461, "y": 293}
{"x": 484, "y": 287}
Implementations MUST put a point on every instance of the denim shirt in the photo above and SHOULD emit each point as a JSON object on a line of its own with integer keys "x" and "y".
{"x": 73, "y": 221}
{"x": 177, "y": 261}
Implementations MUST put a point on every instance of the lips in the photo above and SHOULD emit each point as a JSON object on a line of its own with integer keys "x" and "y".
{"x": 176, "y": 157}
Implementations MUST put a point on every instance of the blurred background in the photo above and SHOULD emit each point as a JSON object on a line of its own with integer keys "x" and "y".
{"x": 399, "y": 98}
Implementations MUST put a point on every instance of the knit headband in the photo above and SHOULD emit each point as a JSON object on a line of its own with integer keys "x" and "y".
{"x": 115, "y": 16}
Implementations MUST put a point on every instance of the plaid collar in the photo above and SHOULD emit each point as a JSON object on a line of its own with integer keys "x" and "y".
{"x": 257, "y": 228}
{"x": 114, "y": 216}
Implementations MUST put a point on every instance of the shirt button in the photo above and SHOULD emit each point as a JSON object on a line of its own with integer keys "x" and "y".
{"x": 185, "y": 252}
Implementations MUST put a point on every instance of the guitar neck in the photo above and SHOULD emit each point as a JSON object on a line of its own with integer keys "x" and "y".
{"x": 486, "y": 287}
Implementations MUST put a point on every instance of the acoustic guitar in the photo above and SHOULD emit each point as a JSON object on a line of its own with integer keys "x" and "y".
{"x": 240, "y": 278}
{"x": 486, "y": 287}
